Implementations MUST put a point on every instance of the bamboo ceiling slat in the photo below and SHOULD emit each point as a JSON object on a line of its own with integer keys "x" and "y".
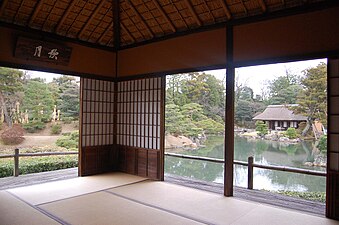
{"x": 140, "y": 20}
{"x": 91, "y": 18}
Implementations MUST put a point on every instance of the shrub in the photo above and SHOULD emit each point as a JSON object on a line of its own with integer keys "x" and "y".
{"x": 313, "y": 196}
{"x": 13, "y": 135}
{"x": 37, "y": 165}
{"x": 322, "y": 145}
{"x": 34, "y": 126}
{"x": 291, "y": 133}
{"x": 56, "y": 129}
{"x": 67, "y": 120}
{"x": 70, "y": 141}
{"x": 261, "y": 128}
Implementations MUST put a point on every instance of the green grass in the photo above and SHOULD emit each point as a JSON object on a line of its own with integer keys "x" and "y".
{"x": 313, "y": 196}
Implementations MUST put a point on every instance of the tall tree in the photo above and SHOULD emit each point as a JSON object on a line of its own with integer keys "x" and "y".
{"x": 284, "y": 89}
{"x": 312, "y": 100}
{"x": 10, "y": 88}
{"x": 67, "y": 95}
{"x": 38, "y": 100}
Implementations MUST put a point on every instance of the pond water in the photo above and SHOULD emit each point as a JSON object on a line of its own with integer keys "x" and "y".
{"x": 264, "y": 152}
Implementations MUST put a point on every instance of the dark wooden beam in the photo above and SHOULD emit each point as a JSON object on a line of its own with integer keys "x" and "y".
{"x": 191, "y": 9}
{"x": 35, "y": 12}
{"x": 140, "y": 18}
{"x": 97, "y": 9}
{"x": 263, "y": 5}
{"x": 127, "y": 32}
{"x": 116, "y": 23}
{"x": 226, "y": 9}
{"x": 3, "y": 6}
{"x": 229, "y": 120}
{"x": 155, "y": 2}
{"x": 64, "y": 16}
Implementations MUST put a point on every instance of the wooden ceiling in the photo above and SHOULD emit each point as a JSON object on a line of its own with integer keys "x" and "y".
{"x": 94, "y": 21}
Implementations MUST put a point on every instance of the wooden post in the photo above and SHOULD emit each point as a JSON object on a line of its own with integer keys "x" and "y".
{"x": 16, "y": 162}
{"x": 250, "y": 173}
{"x": 229, "y": 120}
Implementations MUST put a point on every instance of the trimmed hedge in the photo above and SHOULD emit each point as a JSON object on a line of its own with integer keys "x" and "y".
{"x": 38, "y": 164}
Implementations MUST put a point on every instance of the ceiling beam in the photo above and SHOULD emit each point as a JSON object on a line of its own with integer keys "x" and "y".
{"x": 190, "y": 7}
{"x": 3, "y": 6}
{"x": 263, "y": 5}
{"x": 170, "y": 23}
{"x": 97, "y": 9}
{"x": 127, "y": 32}
{"x": 64, "y": 16}
{"x": 35, "y": 12}
{"x": 116, "y": 23}
{"x": 226, "y": 9}
{"x": 140, "y": 18}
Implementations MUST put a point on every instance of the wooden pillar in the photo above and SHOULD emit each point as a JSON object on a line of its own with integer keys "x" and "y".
{"x": 332, "y": 187}
{"x": 229, "y": 120}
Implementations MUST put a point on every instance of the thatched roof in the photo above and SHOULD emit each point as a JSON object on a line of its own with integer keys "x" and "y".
{"x": 129, "y": 22}
{"x": 279, "y": 113}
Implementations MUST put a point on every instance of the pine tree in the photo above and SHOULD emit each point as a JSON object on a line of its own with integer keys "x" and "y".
{"x": 312, "y": 100}
{"x": 10, "y": 87}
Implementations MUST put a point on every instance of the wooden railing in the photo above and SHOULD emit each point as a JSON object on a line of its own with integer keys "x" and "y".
{"x": 250, "y": 165}
{"x": 17, "y": 155}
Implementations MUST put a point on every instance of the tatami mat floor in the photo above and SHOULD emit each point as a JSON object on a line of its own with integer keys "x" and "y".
{"x": 117, "y": 198}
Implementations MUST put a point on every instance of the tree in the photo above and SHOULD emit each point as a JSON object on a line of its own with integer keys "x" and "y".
{"x": 284, "y": 89}
{"x": 66, "y": 92}
{"x": 261, "y": 128}
{"x": 312, "y": 100}
{"x": 10, "y": 87}
{"x": 38, "y": 100}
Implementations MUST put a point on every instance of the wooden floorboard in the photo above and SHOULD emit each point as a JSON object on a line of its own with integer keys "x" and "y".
{"x": 37, "y": 178}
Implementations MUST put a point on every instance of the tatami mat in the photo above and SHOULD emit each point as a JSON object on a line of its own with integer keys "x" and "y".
{"x": 204, "y": 206}
{"x": 15, "y": 212}
{"x": 213, "y": 208}
{"x": 104, "y": 208}
{"x": 47, "y": 192}
{"x": 267, "y": 215}
{"x": 118, "y": 198}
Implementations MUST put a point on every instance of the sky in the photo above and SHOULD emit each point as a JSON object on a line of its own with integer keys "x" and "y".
{"x": 255, "y": 76}
{"x": 252, "y": 76}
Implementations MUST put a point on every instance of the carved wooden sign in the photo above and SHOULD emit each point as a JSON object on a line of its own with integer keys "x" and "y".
{"x": 31, "y": 49}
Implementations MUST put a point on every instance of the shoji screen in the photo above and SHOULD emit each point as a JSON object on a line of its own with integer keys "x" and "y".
{"x": 97, "y": 126}
{"x": 139, "y": 126}
{"x": 332, "y": 204}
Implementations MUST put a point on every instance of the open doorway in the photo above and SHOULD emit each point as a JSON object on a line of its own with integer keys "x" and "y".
{"x": 194, "y": 125}
{"x": 281, "y": 121}
{"x": 289, "y": 142}
{"x": 39, "y": 116}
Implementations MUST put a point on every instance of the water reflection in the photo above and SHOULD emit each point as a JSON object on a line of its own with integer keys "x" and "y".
{"x": 264, "y": 152}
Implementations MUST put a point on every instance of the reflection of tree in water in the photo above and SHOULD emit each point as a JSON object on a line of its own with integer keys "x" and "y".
{"x": 206, "y": 171}
{"x": 292, "y": 181}
{"x": 290, "y": 149}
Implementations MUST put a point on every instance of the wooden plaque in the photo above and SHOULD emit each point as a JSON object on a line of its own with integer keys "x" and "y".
{"x": 31, "y": 49}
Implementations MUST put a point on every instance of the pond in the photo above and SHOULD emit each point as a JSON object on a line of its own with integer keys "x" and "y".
{"x": 264, "y": 152}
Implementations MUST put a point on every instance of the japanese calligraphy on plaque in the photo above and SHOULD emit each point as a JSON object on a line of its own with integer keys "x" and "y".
{"x": 31, "y": 49}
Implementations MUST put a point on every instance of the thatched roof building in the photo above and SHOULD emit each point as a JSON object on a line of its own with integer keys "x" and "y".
{"x": 280, "y": 117}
